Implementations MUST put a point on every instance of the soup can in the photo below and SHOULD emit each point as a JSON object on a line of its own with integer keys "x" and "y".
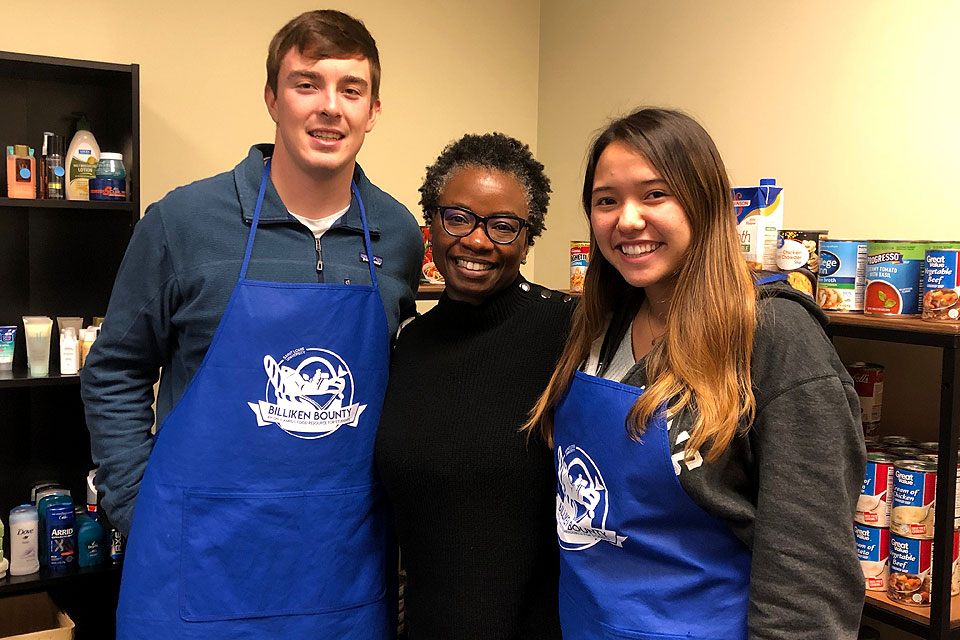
{"x": 914, "y": 498}
{"x": 868, "y": 381}
{"x": 941, "y": 290}
{"x": 876, "y": 492}
{"x": 911, "y": 570}
{"x": 905, "y": 453}
{"x": 894, "y": 277}
{"x": 842, "y": 275}
{"x": 579, "y": 260}
{"x": 932, "y": 447}
{"x": 898, "y": 441}
{"x": 873, "y": 550}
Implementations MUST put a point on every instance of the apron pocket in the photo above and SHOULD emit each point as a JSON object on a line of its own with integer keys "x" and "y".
{"x": 251, "y": 555}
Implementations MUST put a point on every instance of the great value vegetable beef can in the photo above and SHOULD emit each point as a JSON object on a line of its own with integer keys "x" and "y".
{"x": 842, "y": 275}
{"x": 873, "y": 549}
{"x": 941, "y": 290}
{"x": 894, "y": 277}
{"x": 911, "y": 570}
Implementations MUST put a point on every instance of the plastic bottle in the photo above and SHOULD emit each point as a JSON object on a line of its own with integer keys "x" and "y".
{"x": 21, "y": 172}
{"x": 83, "y": 154}
{"x": 53, "y": 171}
{"x": 91, "y": 540}
{"x": 44, "y": 503}
{"x": 69, "y": 352}
{"x": 92, "y": 494}
{"x": 3, "y": 562}
{"x": 23, "y": 540}
{"x": 87, "y": 337}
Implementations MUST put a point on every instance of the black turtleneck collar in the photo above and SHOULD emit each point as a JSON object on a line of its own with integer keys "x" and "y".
{"x": 492, "y": 311}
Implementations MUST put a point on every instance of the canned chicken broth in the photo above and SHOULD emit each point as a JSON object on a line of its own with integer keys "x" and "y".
{"x": 911, "y": 569}
{"x": 941, "y": 297}
{"x": 894, "y": 277}
{"x": 873, "y": 548}
{"x": 876, "y": 493}
{"x": 842, "y": 275}
{"x": 579, "y": 261}
{"x": 914, "y": 496}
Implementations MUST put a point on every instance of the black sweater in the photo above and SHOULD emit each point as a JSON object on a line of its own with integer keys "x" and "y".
{"x": 474, "y": 502}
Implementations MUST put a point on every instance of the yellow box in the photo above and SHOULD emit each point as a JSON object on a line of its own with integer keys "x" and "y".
{"x": 33, "y": 616}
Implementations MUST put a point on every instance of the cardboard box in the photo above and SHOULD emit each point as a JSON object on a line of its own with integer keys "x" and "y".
{"x": 33, "y": 616}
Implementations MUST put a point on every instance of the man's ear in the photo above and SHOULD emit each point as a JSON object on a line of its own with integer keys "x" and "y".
{"x": 270, "y": 98}
{"x": 374, "y": 115}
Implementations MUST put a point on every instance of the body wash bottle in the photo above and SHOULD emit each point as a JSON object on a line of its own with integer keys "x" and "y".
{"x": 21, "y": 172}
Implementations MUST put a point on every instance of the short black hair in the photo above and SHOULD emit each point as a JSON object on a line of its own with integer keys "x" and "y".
{"x": 494, "y": 151}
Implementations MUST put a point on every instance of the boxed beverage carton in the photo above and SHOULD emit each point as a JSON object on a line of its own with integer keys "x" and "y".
{"x": 759, "y": 218}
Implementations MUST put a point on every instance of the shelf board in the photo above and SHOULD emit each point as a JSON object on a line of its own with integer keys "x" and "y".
{"x": 429, "y": 291}
{"x": 22, "y": 378}
{"x": 103, "y": 205}
{"x": 46, "y": 579}
{"x": 904, "y": 330}
{"x": 912, "y": 619}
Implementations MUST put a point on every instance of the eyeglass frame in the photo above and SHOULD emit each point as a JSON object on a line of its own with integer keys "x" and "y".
{"x": 478, "y": 220}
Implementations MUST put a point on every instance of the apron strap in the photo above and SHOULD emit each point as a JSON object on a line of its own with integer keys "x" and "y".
{"x": 777, "y": 277}
{"x": 256, "y": 219}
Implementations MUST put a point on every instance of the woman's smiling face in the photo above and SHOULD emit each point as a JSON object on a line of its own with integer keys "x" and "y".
{"x": 638, "y": 223}
{"x": 473, "y": 267}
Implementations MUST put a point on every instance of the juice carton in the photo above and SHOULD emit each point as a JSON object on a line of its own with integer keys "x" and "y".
{"x": 759, "y": 218}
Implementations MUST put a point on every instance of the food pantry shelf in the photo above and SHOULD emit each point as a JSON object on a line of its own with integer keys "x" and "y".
{"x": 47, "y": 579}
{"x": 914, "y": 620}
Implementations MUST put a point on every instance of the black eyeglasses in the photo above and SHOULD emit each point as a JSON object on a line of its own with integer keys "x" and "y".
{"x": 460, "y": 222}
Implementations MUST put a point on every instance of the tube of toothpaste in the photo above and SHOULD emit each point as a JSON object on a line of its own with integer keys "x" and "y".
{"x": 7, "y": 337}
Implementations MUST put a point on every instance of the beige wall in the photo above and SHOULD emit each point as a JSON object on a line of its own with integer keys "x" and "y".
{"x": 853, "y": 106}
{"x": 449, "y": 68}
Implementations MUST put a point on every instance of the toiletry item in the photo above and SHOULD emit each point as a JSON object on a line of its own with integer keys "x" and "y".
{"x": 110, "y": 182}
{"x": 92, "y": 494}
{"x": 61, "y": 537}
{"x": 3, "y": 568}
{"x": 115, "y": 541}
{"x": 69, "y": 352}
{"x": 87, "y": 338}
{"x": 3, "y": 561}
{"x": 44, "y": 502}
{"x": 83, "y": 154}
{"x": 23, "y": 540}
{"x": 8, "y": 337}
{"x": 91, "y": 539}
{"x": 41, "y": 486}
{"x": 1, "y": 539}
{"x": 53, "y": 175}
{"x": 36, "y": 331}
{"x": 21, "y": 172}
{"x": 70, "y": 321}
{"x": 97, "y": 321}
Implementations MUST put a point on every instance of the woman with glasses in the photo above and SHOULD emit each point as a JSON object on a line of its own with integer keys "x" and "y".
{"x": 707, "y": 437}
{"x": 473, "y": 499}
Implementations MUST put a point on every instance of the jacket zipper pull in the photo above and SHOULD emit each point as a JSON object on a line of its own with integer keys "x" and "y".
{"x": 319, "y": 257}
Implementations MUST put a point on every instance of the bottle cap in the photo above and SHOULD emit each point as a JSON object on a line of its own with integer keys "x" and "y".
{"x": 21, "y": 150}
{"x": 111, "y": 156}
{"x": 82, "y": 123}
{"x": 23, "y": 513}
{"x": 768, "y": 182}
{"x": 46, "y": 147}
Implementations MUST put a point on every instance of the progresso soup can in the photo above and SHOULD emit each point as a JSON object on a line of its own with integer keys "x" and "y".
{"x": 873, "y": 549}
{"x": 894, "y": 277}
{"x": 911, "y": 570}
{"x": 941, "y": 290}
{"x": 842, "y": 275}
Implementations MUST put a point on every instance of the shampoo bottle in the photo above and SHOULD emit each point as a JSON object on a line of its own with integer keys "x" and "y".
{"x": 21, "y": 172}
{"x": 69, "y": 352}
{"x": 82, "y": 158}
{"x": 23, "y": 540}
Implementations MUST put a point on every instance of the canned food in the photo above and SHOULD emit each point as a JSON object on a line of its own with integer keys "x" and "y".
{"x": 894, "y": 277}
{"x": 876, "y": 492}
{"x": 914, "y": 498}
{"x": 842, "y": 276}
{"x": 911, "y": 569}
{"x": 941, "y": 297}
{"x": 929, "y": 446}
{"x": 60, "y": 538}
{"x": 905, "y": 453}
{"x": 579, "y": 261}
{"x": 798, "y": 254}
{"x": 898, "y": 441}
{"x": 868, "y": 381}
{"x": 873, "y": 549}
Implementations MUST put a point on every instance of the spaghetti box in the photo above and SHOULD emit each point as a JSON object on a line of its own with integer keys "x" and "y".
{"x": 33, "y": 616}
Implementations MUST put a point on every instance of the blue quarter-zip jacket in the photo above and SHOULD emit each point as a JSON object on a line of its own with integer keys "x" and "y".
{"x": 174, "y": 283}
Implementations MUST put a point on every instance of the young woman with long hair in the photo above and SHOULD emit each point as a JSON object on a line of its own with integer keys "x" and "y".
{"x": 706, "y": 436}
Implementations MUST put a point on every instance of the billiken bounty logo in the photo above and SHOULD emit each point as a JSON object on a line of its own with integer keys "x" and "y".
{"x": 582, "y": 502}
{"x": 309, "y": 394}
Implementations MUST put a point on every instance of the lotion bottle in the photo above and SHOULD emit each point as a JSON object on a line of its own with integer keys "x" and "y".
{"x": 69, "y": 352}
{"x": 83, "y": 154}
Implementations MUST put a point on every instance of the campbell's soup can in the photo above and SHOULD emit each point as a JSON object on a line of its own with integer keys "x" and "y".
{"x": 876, "y": 492}
{"x": 941, "y": 290}
{"x": 841, "y": 279}
{"x": 895, "y": 274}
{"x": 873, "y": 549}
{"x": 905, "y": 453}
{"x": 798, "y": 255}
{"x": 911, "y": 570}
{"x": 868, "y": 381}
{"x": 579, "y": 261}
{"x": 914, "y": 498}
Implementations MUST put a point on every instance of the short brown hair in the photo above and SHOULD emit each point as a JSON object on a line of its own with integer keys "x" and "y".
{"x": 324, "y": 34}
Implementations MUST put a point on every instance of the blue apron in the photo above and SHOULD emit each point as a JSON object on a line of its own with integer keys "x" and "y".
{"x": 639, "y": 559}
{"x": 259, "y": 515}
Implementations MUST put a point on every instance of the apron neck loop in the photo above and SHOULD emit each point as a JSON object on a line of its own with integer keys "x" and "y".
{"x": 256, "y": 219}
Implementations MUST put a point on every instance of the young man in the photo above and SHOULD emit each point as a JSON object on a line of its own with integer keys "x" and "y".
{"x": 267, "y": 295}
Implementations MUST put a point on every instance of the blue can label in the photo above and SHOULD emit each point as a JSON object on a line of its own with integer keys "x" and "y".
{"x": 842, "y": 275}
{"x": 941, "y": 298}
{"x": 873, "y": 545}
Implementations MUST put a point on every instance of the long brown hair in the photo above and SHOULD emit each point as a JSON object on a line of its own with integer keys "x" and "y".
{"x": 703, "y": 361}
